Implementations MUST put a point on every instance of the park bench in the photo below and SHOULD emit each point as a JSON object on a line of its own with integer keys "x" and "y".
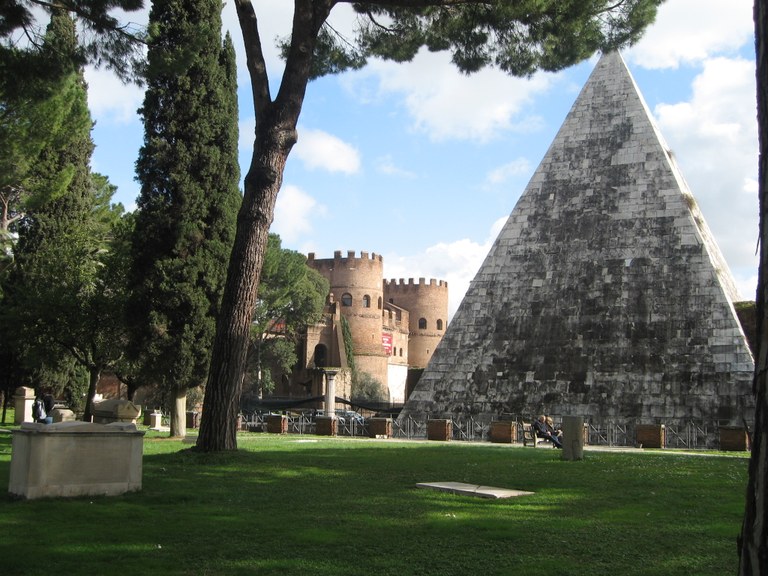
{"x": 530, "y": 438}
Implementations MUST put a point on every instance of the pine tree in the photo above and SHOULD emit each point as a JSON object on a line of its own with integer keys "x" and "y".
{"x": 189, "y": 196}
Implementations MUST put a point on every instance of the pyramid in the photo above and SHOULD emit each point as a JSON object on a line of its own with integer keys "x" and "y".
{"x": 605, "y": 295}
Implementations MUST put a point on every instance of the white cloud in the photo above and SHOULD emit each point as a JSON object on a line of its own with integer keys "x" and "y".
{"x": 323, "y": 151}
{"x": 296, "y": 212}
{"x": 714, "y": 138}
{"x": 689, "y": 31}
{"x": 503, "y": 173}
{"x": 111, "y": 101}
{"x": 446, "y": 104}
{"x": 456, "y": 262}
{"x": 747, "y": 285}
{"x": 275, "y": 18}
{"x": 386, "y": 165}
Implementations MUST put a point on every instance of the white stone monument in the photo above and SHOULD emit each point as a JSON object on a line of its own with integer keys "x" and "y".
{"x": 75, "y": 459}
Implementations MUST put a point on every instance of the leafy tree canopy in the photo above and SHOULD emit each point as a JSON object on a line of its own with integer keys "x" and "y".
{"x": 104, "y": 39}
{"x": 519, "y": 37}
{"x": 291, "y": 297}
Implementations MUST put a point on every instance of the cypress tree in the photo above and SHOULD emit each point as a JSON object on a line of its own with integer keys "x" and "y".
{"x": 189, "y": 196}
{"x": 55, "y": 262}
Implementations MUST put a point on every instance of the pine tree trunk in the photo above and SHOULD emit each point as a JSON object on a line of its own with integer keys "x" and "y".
{"x": 218, "y": 424}
{"x": 754, "y": 536}
{"x": 275, "y": 136}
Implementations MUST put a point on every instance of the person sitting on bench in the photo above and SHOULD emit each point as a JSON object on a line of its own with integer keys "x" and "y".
{"x": 542, "y": 431}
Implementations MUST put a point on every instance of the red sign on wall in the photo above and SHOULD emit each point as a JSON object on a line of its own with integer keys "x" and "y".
{"x": 386, "y": 342}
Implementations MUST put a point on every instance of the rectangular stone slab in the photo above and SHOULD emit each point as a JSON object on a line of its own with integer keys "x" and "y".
{"x": 473, "y": 489}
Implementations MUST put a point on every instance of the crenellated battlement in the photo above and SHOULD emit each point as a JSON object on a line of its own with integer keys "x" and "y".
{"x": 400, "y": 283}
{"x": 350, "y": 257}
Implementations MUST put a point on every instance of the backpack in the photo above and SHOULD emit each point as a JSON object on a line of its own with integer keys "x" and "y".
{"x": 38, "y": 410}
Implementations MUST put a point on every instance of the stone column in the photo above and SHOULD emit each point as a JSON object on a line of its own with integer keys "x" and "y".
{"x": 330, "y": 392}
{"x": 23, "y": 398}
{"x": 573, "y": 437}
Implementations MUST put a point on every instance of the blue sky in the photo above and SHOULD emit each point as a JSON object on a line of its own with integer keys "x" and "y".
{"x": 422, "y": 164}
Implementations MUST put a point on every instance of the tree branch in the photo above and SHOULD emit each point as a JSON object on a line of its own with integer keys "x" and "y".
{"x": 257, "y": 67}
{"x": 107, "y": 23}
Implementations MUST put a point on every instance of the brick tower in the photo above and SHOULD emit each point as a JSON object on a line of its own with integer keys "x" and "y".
{"x": 357, "y": 285}
{"x": 427, "y": 304}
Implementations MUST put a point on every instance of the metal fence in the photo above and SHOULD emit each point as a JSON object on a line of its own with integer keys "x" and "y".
{"x": 620, "y": 433}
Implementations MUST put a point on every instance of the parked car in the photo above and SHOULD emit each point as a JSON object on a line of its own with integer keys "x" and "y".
{"x": 350, "y": 416}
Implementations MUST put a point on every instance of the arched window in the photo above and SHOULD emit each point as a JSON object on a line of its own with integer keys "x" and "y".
{"x": 346, "y": 299}
{"x": 401, "y": 352}
{"x": 366, "y": 301}
{"x": 380, "y": 302}
{"x": 321, "y": 356}
{"x": 422, "y": 323}
{"x": 439, "y": 324}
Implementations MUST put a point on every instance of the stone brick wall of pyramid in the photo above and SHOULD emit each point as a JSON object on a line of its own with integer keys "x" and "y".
{"x": 605, "y": 294}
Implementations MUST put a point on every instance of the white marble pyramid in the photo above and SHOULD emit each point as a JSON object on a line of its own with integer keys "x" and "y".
{"x": 605, "y": 294}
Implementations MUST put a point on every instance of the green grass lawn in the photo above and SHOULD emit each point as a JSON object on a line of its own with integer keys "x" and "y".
{"x": 309, "y": 505}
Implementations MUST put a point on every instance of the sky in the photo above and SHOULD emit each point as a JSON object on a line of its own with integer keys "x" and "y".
{"x": 422, "y": 164}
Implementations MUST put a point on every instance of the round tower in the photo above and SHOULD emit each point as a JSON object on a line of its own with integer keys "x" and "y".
{"x": 427, "y": 304}
{"x": 356, "y": 284}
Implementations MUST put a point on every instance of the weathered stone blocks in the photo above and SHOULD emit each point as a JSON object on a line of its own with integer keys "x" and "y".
{"x": 75, "y": 459}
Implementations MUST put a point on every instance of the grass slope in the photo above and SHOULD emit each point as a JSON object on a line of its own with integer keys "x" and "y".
{"x": 304, "y": 505}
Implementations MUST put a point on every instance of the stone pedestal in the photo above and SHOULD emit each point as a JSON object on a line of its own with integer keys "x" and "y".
{"x": 156, "y": 420}
{"x": 75, "y": 459}
{"x": 503, "y": 431}
{"x": 115, "y": 410}
{"x": 23, "y": 398}
{"x": 573, "y": 438}
{"x": 650, "y": 435}
{"x": 62, "y": 415}
{"x": 734, "y": 438}
{"x": 326, "y": 425}
{"x": 439, "y": 429}
{"x": 277, "y": 424}
{"x": 380, "y": 427}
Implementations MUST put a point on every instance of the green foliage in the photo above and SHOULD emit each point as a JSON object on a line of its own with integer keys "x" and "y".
{"x": 45, "y": 134}
{"x": 189, "y": 196}
{"x": 517, "y": 37}
{"x": 366, "y": 388}
{"x": 291, "y": 297}
{"x": 105, "y": 41}
{"x": 60, "y": 315}
{"x": 349, "y": 345}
